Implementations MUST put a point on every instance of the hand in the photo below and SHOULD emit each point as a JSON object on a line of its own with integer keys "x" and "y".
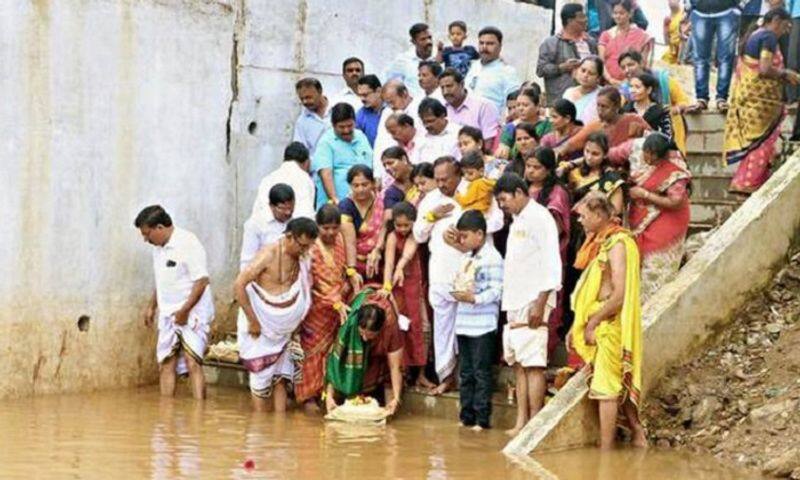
{"x": 440, "y": 45}
{"x": 373, "y": 259}
{"x": 568, "y": 341}
{"x": 451, "y": 236}
{"x": 635, "y": 130}
{"x": 536, "y": 316}
{"x": 383, "y": 293}
{"x": 466, "y": 297}
{"x": 569, "y": 65}
{"x": 254, "y": 328}
{"x": 442, "y": 211}
{"x": 149, "y": 316}
{"x": 392, "y": 406}
{"x": 343, "y": 313}
{"x": 792, "y": 77}
{"x": 356, "y": 282}
{"x": 638, "y": 193}
{"x": 182, "y": 317}
{"x": 330, "y": 404}
{"x": 398, "y": 278}
{"x": 588, "y": 333}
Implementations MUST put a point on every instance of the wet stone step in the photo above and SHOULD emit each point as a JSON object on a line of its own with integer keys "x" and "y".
{"x": 712, "y": 211}
{"x": 712, "y": 187}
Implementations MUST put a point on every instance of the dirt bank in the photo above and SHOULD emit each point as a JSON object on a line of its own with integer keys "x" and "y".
{"x": 739, "y": 397}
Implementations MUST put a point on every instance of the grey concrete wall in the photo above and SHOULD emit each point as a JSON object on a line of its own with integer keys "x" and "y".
{"x": 111, "y": 105}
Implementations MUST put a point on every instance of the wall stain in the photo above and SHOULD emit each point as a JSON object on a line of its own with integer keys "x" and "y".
{"x": 38, "y": 367}
{"x": 61, "y": 354}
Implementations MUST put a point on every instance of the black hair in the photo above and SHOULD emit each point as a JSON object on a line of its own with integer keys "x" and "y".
{"x": 370, "y": 80}
{"x": 528, "y": 128}
{"x": 308, "y": 82}
{"x": 399, "y": 87}
{"x": 152, "y": 216}
{"x": 570, "y": 11}
{"x": 565, "y": 108}
{"x": 431, "y": 106}
{"x": 424, "y": 169}
{"x": 626, "y": 4}
{"x": 649, "y": 81}
{"x": 492, "y": 31}
{"x": 360, "y": 170}
{"x": 416, "y": 29}
{"x": 341, "y": 112}
{"x": 601, "y": 140}
{"x": 517, "y": 164}
{"x": 472, "y": 132}
{"x": 599, "y": 65}
{"x": 404, "y": 119}
{"x": 404, "y": 209}
{"x": 435, "y": 67}
{"x": 547, "y": 158}
{"x": 472, "y": 221}
{"x": 632, "y": 54}
{"x": 280, "y": 193}
{"x": 348, "y": 61}
{"x": 612, "y": 94}
{"x": 396, "y": 153}
{"x": 657, "y": 143}
{"x": 295, "y": 152}
{"x": 447, "y": 160}
{"x": 510, "y": 182}
{"x": 302, "y": 226}
{"x": 779, "y": 12}
{"x": 329, "y": 213}
{"x": 533, "y": 93}
{"x": 512, "y": 96}
{"x": 458, "y": 23}
{"x": 371, "y": 318}
{"x": 472, "y": 160}
{"x": 452, "y": 73}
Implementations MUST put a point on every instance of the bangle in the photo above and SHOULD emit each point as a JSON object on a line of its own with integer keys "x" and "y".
{"x": 351, "y": 271}
{"x": 430, "y": 217}
{"x": 338, "y": 306}
{"x": 387, "y": 286}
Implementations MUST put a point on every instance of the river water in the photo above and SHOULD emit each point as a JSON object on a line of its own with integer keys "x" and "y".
{"x": 136, "y": 434}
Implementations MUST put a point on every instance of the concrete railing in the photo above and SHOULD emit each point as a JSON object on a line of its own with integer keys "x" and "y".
{"x": 739, "y": 259}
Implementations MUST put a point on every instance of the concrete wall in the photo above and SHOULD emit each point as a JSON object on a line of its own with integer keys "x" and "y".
{"x": 111, "y": 105}
{"x": 738, "y": 260}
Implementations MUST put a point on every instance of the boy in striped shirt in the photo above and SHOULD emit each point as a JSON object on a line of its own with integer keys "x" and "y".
{"x": 478, "y": 289}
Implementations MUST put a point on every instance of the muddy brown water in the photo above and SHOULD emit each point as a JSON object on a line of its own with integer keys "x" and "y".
{"x": 136, "y": 434}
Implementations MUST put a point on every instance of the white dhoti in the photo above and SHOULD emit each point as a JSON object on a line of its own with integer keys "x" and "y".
{"x": 267, "y": 357}
{"x": 189, "y": 339}
{"x": 445, "y": 347}
{"x": 524, "y": 345}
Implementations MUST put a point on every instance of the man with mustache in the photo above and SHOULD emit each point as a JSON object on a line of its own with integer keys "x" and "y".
{"x": 491, "y": 77}
{"x": 406, "y": 66}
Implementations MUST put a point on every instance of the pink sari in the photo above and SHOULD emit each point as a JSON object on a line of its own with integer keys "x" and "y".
{"x": 617, "y": 43}
{"x": 367, "y": 228}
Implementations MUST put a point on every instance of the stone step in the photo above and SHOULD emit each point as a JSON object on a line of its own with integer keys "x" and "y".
{"x": 712, "y": 187}
{"x": 708, "y": 163}
{"x": 446, "y": 406}
{"x": 699, "y": 227}
{"x": 714, "y": 212}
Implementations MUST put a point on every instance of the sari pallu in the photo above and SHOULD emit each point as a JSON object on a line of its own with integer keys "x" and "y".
{"x": 660, "y": 233}
{"x": 752, "y": 126}
{"x": 551, "y": 140}
{"x": 411, "y": 302}
{"x": 367, "y": 228}
{"x": 318, "y": 330}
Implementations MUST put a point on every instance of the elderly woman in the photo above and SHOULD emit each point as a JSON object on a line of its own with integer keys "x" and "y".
{"x": 622, "y": 37}
{"x": 589, "y": 76}
{"x": 752, "y": 126}
{"x": 363, "y": 222}
{"x": 659, "y": 212}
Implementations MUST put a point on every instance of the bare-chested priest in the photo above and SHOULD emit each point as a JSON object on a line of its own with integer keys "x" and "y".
{"x": 274, "y": 291}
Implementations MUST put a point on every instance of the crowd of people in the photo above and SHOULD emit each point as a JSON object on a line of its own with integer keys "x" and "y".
{"x": 434, "y": 220}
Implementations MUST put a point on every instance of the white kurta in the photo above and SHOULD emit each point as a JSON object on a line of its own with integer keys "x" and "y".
{"x": 432, "y": 146}
{"x": 290, "y": 173}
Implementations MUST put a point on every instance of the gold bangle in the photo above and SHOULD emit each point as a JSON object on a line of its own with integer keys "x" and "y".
{"x": 430, "y": 217}
{"x": 387, "y": 286}
{"x": 337, "y": 306}
{"x": 351, "y": 272}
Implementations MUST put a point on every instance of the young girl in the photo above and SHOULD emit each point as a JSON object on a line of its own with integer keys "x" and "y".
{"x": 403, "y": 276}
{"x": 422, "y": 177}
{"x": 643, "y": 91}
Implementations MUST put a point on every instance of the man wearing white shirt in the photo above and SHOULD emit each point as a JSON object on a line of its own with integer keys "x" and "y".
{"x": 182, "y": 299}
{"x": 429, "y": 72}
{"x": 352, "y": 70}
{"x": 532, "y": 276}
{"x": 405, "y": 67}
{"x": 398, "y": 100}
{"x": 403, "y": 131}
{"x": 490, "y": 76}
{"x": 438, "y": 212}
{"x": 267, "y": 226}
{"x": 293, "y": 172}
{"x": 441, "y": 134}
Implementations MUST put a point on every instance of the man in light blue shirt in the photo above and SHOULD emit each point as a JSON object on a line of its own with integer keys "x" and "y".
{"x": 315, "y": 118}
{"x": 406, "y": 66}
{"x": 339, "y": 149}
{"x": 491, "y": 77}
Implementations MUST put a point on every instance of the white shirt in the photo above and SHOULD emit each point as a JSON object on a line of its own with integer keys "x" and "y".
{"x": 177, "y": 265}
{"x": 259, "y": 230}
{"x": 290, "y": 173}
{"x": 346, "y": 95}
{"x": 432, "y": 147}
{"x": 533, "y": 260}
{"x": 405, "y": 67}
{"x": 492, "y": 81}
{"x": 384, "y": 140}
{"x": 444, "y": 259}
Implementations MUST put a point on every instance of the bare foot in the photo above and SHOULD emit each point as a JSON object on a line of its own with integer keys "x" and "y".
{"x": 423, "y": 382}
{"x": 310, "y": 407}
{"x": 476, "y": 428}
{"x": 440, "y": 389}
{"x": 639, "y": 438}
{"x": 513, "y": 432}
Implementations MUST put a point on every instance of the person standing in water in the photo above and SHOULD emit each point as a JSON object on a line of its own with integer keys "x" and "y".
{"x": 182, "y": 299}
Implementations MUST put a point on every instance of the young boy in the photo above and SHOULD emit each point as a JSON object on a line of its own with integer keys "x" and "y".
{"x": 479, "y": 191}
{"x": 458, "y": 56}
{"x": 477, "y": 288}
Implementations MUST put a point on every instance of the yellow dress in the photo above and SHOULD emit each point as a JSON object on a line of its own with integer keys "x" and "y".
{"x": 478, "y": 195}
{"x": 672, "y": 54}
{"x": 617, "y": 356}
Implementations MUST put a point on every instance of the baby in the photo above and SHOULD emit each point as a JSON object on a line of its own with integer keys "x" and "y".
{"x": 479, "y": 192}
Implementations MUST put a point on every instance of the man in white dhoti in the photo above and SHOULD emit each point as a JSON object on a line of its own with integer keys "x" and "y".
{"x": 532, "y": 276}
{"x": 439, "y": 211}
{"x": 182, "y": 300}
{"x": 267, "y": 226}
{"x": 274, "y": 291}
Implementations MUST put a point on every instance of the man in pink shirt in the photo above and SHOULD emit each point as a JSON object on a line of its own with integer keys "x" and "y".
{"x": 465, "y": 108}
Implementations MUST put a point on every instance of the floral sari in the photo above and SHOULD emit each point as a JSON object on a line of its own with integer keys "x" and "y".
{"x": 368, "y": 228}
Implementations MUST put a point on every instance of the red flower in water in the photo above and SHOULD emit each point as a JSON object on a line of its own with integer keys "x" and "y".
{"x": 249, "y": 465}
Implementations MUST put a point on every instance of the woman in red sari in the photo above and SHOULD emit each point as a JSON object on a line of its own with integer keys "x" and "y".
{"x": 659, "y": 212}
{"x": 363, "y": 223}
{"x": 330, "y": 292}
{"x": 546, "y": 189}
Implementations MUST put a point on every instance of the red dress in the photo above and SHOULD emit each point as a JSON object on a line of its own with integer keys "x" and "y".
{"x": 410, "y": 298}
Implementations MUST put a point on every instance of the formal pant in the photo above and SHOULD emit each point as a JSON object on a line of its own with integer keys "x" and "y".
{"x": 704, "y": 29}
{"x": 476, "y": 356}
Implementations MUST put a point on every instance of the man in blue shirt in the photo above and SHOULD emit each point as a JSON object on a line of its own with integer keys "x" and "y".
{"x": 337, "y": 151}
{"x": 314, "y": 119}
{"x": 368, "y": 117}
{"x": 491, "y": 77}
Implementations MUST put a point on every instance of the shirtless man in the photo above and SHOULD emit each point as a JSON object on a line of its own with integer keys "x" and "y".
{"x": 274, "y": 291}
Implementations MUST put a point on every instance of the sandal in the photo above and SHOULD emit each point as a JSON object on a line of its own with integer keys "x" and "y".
{"x": 722, "y": 106}
{"x": 701, "y": 105}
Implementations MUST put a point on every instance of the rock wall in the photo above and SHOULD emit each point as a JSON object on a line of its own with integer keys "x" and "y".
{"x": 111, "y": 105}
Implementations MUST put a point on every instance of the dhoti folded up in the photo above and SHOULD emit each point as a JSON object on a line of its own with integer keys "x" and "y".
{"x": 189, "y": 339}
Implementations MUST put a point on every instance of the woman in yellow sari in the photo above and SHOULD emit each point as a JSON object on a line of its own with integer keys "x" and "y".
{"x": 753, "y": 123}
{"x": 607, "y": 332}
